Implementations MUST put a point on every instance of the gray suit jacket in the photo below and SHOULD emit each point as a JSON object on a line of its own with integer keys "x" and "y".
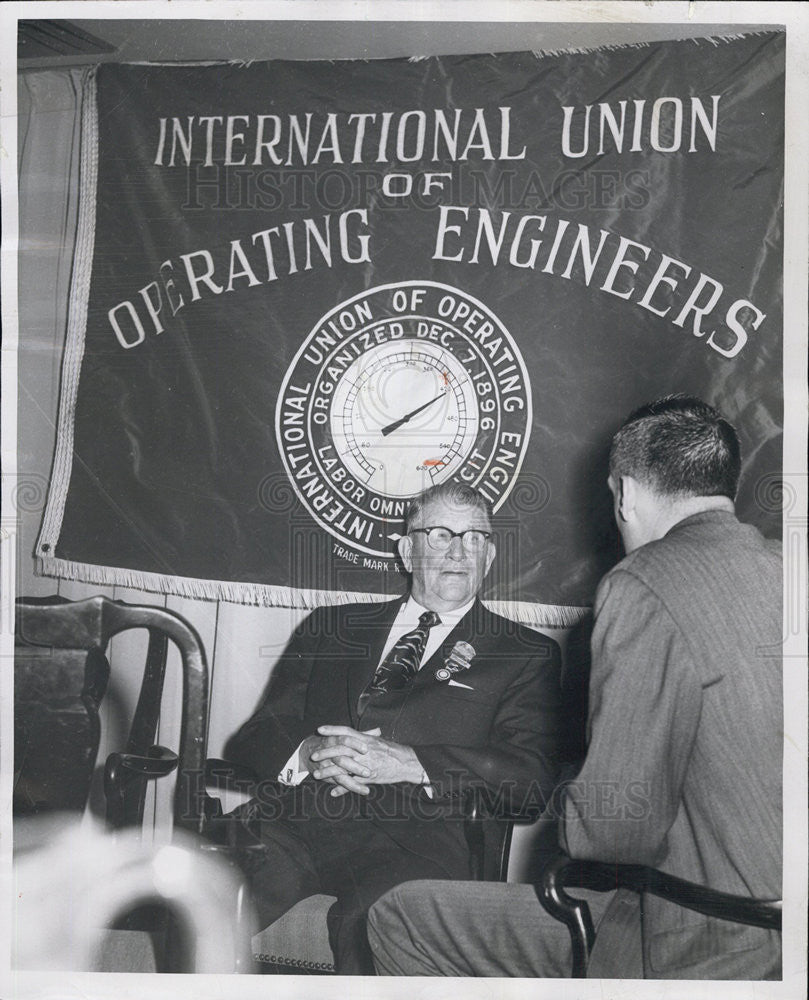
{"x": 684, "y": 766}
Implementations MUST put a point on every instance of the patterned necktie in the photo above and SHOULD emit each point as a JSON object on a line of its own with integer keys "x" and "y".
{"x": 402, "y": 662}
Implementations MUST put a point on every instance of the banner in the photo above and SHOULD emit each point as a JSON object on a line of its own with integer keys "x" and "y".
{"x": 304, "y": 291}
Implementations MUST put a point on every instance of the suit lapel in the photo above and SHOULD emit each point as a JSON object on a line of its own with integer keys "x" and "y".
{"x": 369, "y": 630}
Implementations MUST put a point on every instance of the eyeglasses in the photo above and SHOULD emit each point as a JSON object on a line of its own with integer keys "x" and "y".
{"x": 440, "y": 538}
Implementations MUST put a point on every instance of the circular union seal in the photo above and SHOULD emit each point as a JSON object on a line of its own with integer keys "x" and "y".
{"x": 397, "y": 389}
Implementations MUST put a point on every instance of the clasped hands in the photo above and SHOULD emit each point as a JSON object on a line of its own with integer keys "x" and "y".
{"x": 353, "y": 760}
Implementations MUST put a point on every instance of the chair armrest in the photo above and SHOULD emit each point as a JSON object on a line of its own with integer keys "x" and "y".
{"x": 575, "y": 913}
{"x": 122, "y": 771}
{"x": 564, "y": 872}
{"x": 158, "y": 762}
{"x": 488, "y": 837}
{"x": 225, "y": 776}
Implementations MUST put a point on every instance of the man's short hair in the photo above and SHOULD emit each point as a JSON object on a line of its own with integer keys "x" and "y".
{"x": 454, "y": 494}
{"x": 678, "y": 446}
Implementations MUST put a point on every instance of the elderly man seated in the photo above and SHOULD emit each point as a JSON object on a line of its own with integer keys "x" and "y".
{"x": 379, "y": 718}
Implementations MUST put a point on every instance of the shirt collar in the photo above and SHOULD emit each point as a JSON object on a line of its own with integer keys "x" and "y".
{"x": 411, "y": 610}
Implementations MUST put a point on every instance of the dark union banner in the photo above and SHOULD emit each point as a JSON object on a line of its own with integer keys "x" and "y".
{"x": 304, "y": 291}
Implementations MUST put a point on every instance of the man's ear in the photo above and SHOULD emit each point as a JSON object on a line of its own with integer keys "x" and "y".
{"x": 405, "y": 547}
{"x": 627, "y": 498}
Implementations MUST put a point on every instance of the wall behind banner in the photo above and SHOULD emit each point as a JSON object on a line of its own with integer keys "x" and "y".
{"x": 242, "y": 642}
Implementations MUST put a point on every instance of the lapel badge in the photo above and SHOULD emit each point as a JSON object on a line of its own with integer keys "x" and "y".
{"x": 460, "y": 658}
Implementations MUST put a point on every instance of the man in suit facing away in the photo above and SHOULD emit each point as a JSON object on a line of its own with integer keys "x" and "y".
{"x": 379, "y": 718}
{"x": 683, "y": 769}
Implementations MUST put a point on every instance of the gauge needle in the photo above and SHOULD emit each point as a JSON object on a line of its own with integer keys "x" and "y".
{"x": 403, "y": 420}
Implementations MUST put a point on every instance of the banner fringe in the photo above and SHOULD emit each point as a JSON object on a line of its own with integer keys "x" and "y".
{"x": 260, "y": 594}
{"x": 539, "y": 615}
{"x": 538, "y": 53}
{"x": 714, "y": 40}
{"x": 268, "y": 596}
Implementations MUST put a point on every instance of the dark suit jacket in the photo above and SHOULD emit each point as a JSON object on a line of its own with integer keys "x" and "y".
{"x": 502, "y": 733}
{"x": 683, "y": 771}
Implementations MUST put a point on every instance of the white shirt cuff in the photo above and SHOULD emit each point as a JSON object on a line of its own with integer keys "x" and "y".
{"x": 425, "y": 782}
{"x": 291, "y": 773}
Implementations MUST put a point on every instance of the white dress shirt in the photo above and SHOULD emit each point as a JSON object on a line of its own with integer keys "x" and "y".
{"x": 405, "y": 621}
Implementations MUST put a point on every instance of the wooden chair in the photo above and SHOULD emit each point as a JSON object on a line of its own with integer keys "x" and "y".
{"x": 565, "y": 872}
{"x": 60, "y": 676}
